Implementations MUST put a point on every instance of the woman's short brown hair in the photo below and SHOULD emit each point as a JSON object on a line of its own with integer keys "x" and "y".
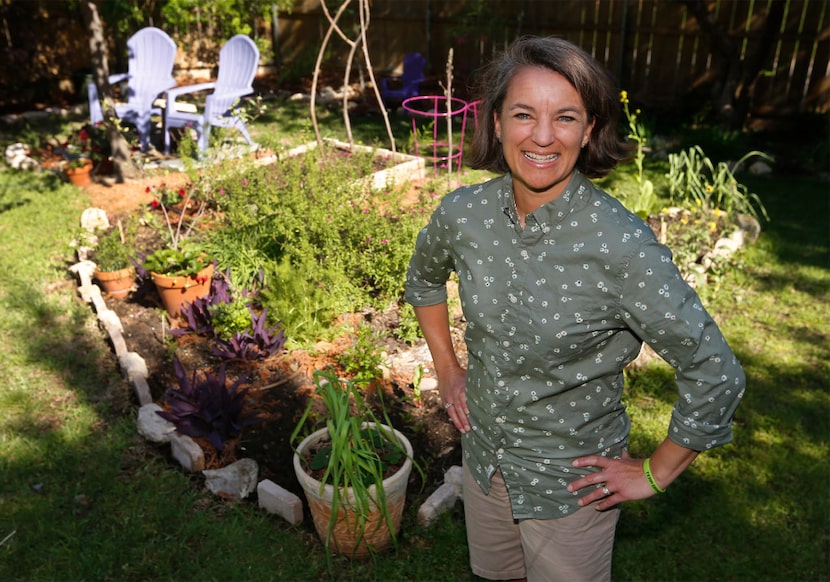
{"x": 588, "y": 77}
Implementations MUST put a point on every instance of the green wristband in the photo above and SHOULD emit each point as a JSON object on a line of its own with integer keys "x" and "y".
{"x": 650, "y": 478}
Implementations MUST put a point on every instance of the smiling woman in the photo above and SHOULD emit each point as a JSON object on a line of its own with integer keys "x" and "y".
{"x": 560, "y": 285}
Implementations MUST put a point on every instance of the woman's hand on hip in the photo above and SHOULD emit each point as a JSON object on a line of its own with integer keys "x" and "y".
{"x": 617, "y": 480}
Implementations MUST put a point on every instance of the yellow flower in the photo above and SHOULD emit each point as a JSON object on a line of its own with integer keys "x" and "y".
{"x": 712, "y": 226}
{"x": 623, "y": 96}
{"x": 710, "y": 188}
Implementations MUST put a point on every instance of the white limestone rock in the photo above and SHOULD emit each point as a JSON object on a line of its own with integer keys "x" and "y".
{"x": 236, "y": 480}
{"x": 153, "y": 427}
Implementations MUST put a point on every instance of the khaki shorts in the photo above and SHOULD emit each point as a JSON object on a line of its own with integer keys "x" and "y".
{"x": 573, "y": 548}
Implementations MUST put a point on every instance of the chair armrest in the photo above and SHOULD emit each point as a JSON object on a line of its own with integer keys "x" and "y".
{"x": 175, "y": 92}
{"x": 233, "y": 93}
{"x": 384, "y": 81}
{"x": 117, "y": 78}
{"x": 415, "y": 82}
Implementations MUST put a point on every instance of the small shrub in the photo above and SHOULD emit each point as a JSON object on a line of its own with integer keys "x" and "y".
{"x": 207, "y": 407}
{"x": 115, "y": 247}
{"x": 362, "y": 360}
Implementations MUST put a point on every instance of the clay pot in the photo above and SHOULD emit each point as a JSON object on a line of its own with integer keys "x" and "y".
{"x": 178, "y": 290}
{"x": 116, "y": 283}
{"x": 80, "y": 176}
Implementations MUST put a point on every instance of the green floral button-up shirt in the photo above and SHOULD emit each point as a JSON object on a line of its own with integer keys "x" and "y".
{"x": 554, "y": 313}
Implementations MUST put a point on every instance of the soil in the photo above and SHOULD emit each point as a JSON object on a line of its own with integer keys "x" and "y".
{"x": 279, "y": 387}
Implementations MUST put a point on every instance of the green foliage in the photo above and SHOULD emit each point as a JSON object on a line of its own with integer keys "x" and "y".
{"x": 116, "y": 247}
{"x": 182, "y": 262}
{"x": 408, "y": 329}
{"x": 307, "y": 299}
{"x": 181, "y": 256}
{"x": 226, "y": 17}
{"x": 323, "y": 242}
{"x": 356, "y": 457}
{"x": 696, "y": 179}
{"x": 231, "y": 318}
{"x": 417, "y": 377}
{"x": 362, "y": 360}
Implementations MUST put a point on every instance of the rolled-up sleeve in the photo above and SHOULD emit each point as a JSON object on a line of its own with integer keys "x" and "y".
{"x": 667, "y": 314}
{"x": 431, "y": 263}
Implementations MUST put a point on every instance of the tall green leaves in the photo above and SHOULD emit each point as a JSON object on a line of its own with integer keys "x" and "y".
{"x": 694, "y": 177}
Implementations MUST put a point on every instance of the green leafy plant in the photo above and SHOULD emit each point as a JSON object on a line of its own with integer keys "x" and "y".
{"x": 180, "y": 257}
{"x": 696, "y": 179}
{"x": 362, "y": 360}
{"x": 317, "y": 256}
{"x": 230, "y": 318}
{"x": 408, "y": 329}
{"x": 360, "y": 449}
{"x": 182, "y": 262}
{"x": 417, "y": 378}
{"x": 115, "y": 247}
{"x": 89, "y": 143}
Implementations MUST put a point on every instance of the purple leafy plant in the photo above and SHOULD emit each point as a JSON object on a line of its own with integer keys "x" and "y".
{"x": 206, "y": 407}
{"x": 197, "y": 314}
{"x": 258, "y": 343}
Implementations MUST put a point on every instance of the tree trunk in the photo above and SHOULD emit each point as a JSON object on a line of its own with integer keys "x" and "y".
{"x": 124, "y": 166}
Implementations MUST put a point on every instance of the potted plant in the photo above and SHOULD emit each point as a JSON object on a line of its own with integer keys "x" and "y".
{"x": 79, "y": 171}
{"x": 180, "y": 271}
{"x": 354, "y": 472}
{"x": 113, "y": 267}
{"x": 85, "y": 151}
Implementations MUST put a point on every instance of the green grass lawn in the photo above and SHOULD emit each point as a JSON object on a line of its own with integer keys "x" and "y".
{"x": 83, "y": 497}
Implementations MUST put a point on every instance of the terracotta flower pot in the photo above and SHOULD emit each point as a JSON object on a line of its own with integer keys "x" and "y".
{"x": 376, "y": 535}
{"x": 80, "y": 176}
{"x": 176, "y": 291}
{"x": 116, "y": 283}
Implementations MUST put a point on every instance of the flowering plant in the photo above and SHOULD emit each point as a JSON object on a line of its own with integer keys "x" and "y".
{"x": 646, "y": 198}
{"x": 89, "y": 143}
{"x": 179, "y": 257}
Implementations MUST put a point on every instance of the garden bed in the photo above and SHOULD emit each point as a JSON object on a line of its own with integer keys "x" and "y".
{"x": 279, "y": 386}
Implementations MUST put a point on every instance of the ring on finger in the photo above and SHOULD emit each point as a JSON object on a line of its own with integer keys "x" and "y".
{"x": 448, "y": 404}
{"x": 606, "y": 491}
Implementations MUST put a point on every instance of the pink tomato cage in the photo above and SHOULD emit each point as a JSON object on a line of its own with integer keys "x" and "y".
{"x": 432, "y": 110}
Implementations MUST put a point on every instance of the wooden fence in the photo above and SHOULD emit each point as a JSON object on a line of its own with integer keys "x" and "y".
{"x": 655, "y": 48}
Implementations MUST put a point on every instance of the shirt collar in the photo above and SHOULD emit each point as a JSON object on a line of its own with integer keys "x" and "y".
{"x": 555, "y": 211}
